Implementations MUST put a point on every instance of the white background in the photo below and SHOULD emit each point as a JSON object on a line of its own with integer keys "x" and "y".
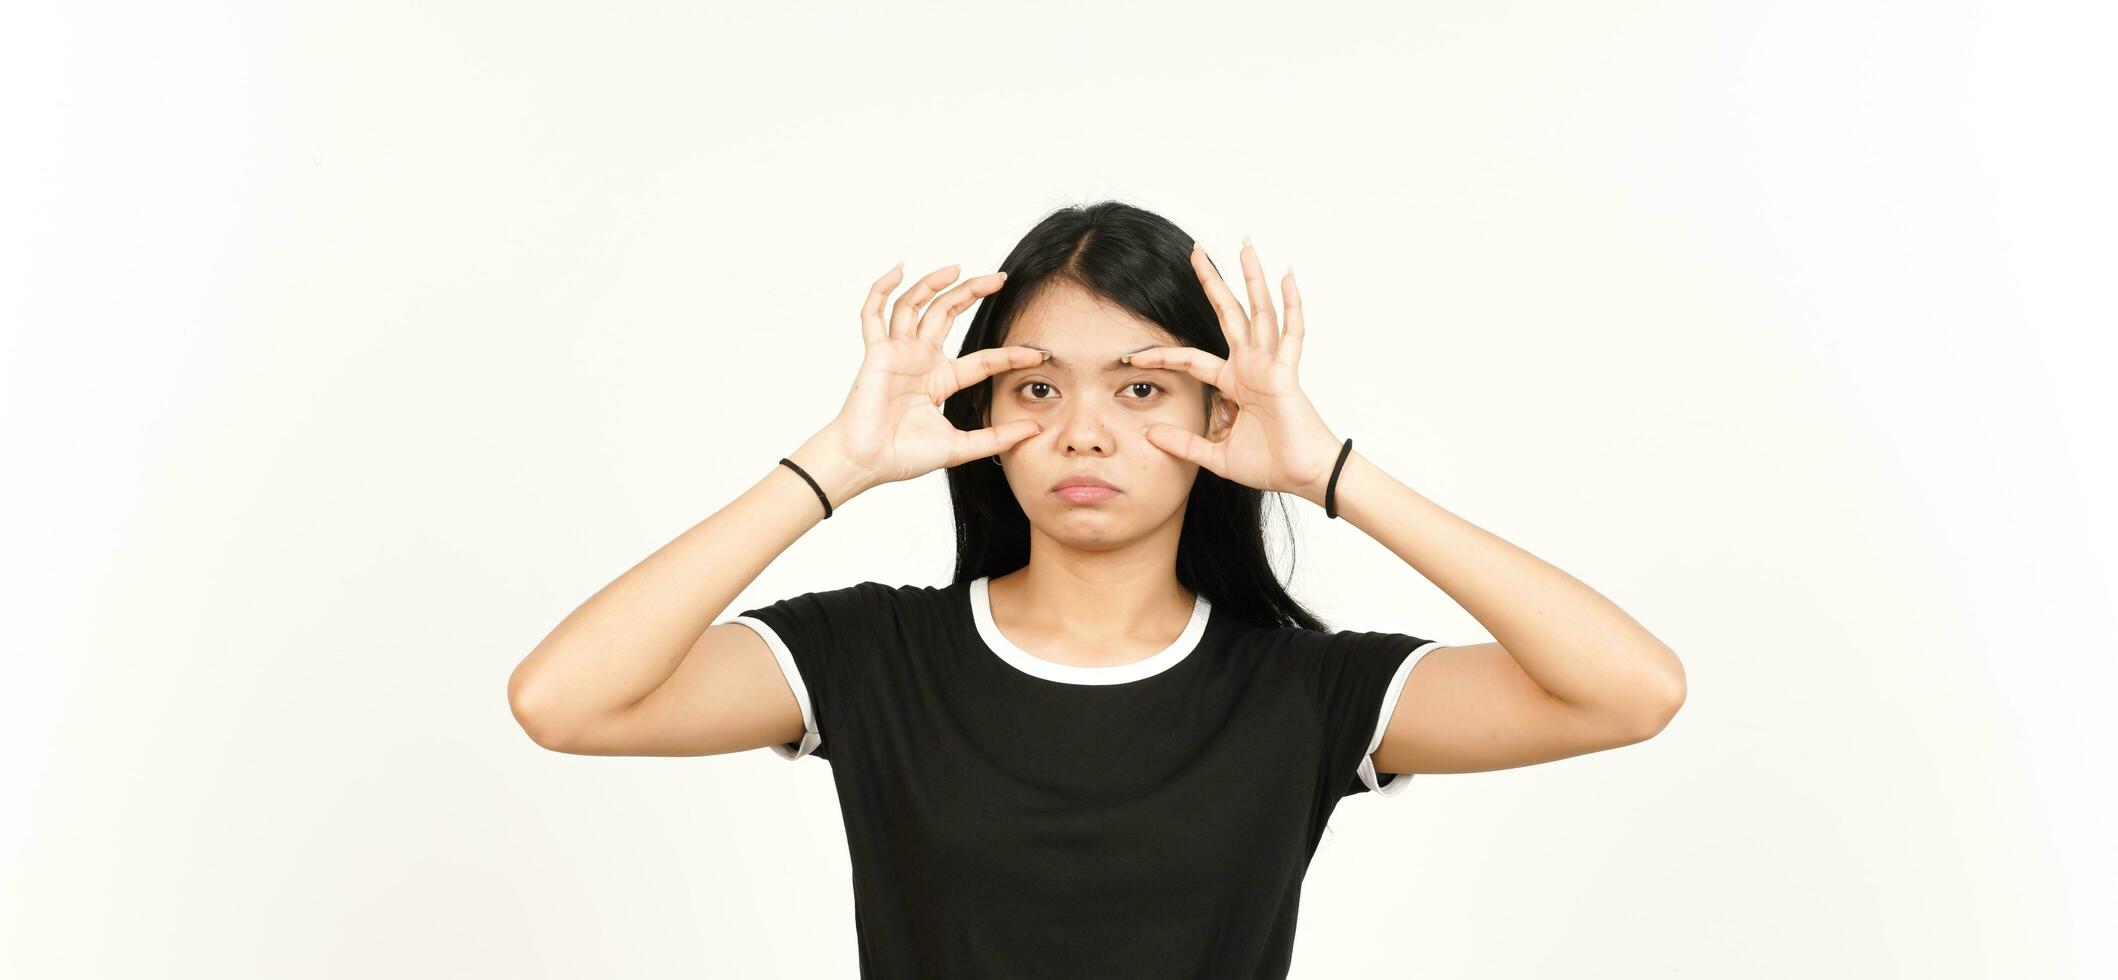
{"x": 348, "y": 347}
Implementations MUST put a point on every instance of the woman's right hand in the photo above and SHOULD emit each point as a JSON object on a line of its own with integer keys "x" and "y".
{"x": 891, "y": 427}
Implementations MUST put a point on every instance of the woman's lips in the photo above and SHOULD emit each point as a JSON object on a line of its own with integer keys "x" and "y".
{"x": 1085, "y": 494}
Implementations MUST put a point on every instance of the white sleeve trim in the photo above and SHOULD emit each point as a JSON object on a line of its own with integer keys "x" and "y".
{"x": 811, "y": 738}
{"x": 1398, "y": 780}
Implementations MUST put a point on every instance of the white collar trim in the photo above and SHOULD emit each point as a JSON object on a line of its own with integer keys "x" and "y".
{"x": 1020, "y": 659}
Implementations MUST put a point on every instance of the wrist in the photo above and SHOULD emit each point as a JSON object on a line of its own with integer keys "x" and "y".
{"x": 825, "y": 463}
{"x": 1315, "y": 490}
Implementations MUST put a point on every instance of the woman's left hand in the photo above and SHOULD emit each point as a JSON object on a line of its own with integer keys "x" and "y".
{"x": 1277, "y": 441}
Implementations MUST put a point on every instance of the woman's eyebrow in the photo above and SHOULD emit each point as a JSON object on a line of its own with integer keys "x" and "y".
{"x": 1112, "y": 365}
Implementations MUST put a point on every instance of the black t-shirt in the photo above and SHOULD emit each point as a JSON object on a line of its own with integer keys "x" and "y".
{"x": 1008, "y": 816}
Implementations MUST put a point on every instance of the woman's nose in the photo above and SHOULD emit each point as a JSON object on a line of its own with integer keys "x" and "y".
{"x": 1086, "y": 431}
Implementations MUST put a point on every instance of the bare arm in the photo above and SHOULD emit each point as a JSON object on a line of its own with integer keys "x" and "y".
{"x": 640, "y": 669}
{"x": 1571, "y": 673}
{"x": 618, "y": 647}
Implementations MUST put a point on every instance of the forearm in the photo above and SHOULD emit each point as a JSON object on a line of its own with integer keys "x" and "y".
{"x": 631, "y": 635}
{"x": 1574, "y": 642}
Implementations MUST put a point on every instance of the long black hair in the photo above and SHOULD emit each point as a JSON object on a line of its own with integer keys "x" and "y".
{"x": 1140, "y": 261}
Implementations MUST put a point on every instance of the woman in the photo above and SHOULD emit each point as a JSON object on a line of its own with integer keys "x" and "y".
{"x": 1108, "y": 748}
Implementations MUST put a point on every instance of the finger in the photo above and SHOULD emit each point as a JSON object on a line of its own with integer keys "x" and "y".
{"x": 1190, "y": 360}
{"x": 1291, "y": 343}
{"x": 1264, "y": 326}
{"x": 872, "y": 327}
{"x": 980, "y": 443}
{"x": 979, "y": 365}
{"x": 905, "y": 316}
{"x": 941, "y": 316}
{"x": 1234, "y": 325}
{"x": 1187, "y": 446}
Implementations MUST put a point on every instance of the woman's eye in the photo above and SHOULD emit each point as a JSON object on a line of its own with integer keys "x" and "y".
{"x": 1039, "y": 388}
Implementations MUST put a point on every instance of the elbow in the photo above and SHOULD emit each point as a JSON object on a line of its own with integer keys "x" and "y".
{"x": 1669, "y": 699}
{"x": 527, "y": 705}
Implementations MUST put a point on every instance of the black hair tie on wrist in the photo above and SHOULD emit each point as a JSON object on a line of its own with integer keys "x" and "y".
{"x": 812, "y": 485}
{"x": 1331, "y": 489}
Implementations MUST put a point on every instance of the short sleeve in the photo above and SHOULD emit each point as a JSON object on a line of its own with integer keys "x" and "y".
{"x": 821, "y": 641}
{"x": 1356, "y": 678}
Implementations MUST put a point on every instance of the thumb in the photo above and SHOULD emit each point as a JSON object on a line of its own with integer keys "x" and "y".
{"x": 990, "y": 441}
{"x": 1187, "y": 446}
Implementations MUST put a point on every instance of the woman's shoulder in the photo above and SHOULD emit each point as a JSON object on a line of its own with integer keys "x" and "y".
{"x": 1283, "y": 639}
{"x": 874, "y": 595}
{"x": 876, "y": 587}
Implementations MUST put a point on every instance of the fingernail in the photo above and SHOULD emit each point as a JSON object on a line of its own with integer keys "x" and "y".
{"x": 1246, "y": 242}
{"x": 1045, "y": 356}
{"x": 1126, "y": 359}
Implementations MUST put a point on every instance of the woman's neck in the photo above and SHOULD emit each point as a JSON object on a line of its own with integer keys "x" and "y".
{"x": 1091, "y": 616}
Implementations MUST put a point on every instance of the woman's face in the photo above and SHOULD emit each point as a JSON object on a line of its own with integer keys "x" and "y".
{"x": 1092, "y": 409}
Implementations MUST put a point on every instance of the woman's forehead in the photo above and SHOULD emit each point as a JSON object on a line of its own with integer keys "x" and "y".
{"x": 1065, "y": 313}
{"x": 1085, "y": 333}
{"x": 1087, "y": 339}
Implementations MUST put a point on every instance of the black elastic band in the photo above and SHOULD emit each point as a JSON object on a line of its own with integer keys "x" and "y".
{"x": 812, "y": 485}
{"x": 1331, "y": 489}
